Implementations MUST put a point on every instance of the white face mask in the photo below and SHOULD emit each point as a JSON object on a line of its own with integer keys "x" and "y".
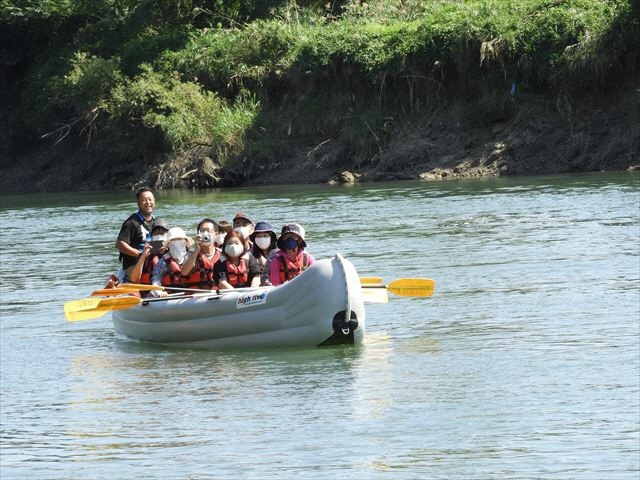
{"x": 263, "y": 242}
{"x": 159, "y": 237}
{"x": 244, "y": 231}
{"x": 233, "y": 250}
{"x": 220, "y": 239}
{"x": 177, "y": 249}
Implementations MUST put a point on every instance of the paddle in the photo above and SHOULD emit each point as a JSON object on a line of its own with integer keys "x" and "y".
{"x": 364, "y": 281}
{"x": 82, "y": 309}
{"x": 88, "y": 308}
{"x": 408, "y": 287}
{"x": 374, "y": 295}
{"x": 84, "y": 315}
{"x": 110, "y": 292}
{"x": 144, "y": 288}
{"x": 140, "y": 287}
{"x": 404, "y": 287}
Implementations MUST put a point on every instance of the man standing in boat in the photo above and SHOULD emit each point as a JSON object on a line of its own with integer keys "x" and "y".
{"x": 136, "y": 230}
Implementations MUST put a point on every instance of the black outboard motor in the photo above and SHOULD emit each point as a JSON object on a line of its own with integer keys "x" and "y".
{"x": 342, "y": 329}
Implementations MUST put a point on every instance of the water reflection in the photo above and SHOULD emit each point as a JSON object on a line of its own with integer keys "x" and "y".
{"x": 138, "y": 384}
{"x": 213, "y": 376}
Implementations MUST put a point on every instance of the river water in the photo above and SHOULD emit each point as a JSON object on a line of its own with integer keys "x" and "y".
{"x": 525, "y": 364}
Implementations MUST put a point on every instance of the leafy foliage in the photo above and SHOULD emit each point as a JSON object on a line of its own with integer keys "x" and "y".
{"x": 22, "y": 11}
{"x": 90, "y": 81}
{"x": 204, "y": 70}
{"x": 235, "y": 58}
{"x": 182, "y": 111}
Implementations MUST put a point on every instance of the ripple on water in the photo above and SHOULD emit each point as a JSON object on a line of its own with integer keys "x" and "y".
{"x": 524, "y": 363}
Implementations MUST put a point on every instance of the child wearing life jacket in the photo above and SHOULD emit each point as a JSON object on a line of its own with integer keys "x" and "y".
{"x": 236, "y": 269}
{"x": 168, "y": 271}
{"x": 292, "y": 258}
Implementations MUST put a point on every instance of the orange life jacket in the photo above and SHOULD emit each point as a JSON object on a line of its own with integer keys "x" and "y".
{"x": 238, "y": 276}
{"x": 173, "y": 278}
{"x": 202, "y": 275}
{"x": 291, "y": 269}
{"x": 147, "y": 269}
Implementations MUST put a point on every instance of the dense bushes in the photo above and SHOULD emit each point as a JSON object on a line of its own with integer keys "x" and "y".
{"x": 538, "y": 43}
{"x": 198, "y": 71}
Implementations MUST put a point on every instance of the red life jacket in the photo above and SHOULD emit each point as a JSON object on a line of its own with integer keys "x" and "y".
{"x": 238, "y": 276}
{"x": 291, "y": 269}
{"x": 173, "y": 278}
{"x": 202, "y": 275}
{"x": 147, "y": 269}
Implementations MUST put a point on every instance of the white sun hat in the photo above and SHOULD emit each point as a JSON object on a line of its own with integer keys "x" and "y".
{"x": 176, "y": 233}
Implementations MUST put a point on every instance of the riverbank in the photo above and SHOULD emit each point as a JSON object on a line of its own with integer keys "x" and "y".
{"x": 437, "y": 147}
{"x": 352, "y": 92}
{"x": 434, "y": 146}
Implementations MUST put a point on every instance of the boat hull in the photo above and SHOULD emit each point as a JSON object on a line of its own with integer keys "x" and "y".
{"x": 322, "y": 306}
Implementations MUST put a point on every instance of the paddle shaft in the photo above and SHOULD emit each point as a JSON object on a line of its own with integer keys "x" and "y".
{"x": 93, "y": 307}
{"x": 143, "y": 287}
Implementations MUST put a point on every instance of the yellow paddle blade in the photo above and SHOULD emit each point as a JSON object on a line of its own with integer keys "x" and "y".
{"x": 375, "y": 295}
{"x": 89, "y": 308}
{"x": 370, "y": 280}
{"x": 79, "y": 305}
{"x": 412, "y": 287}
{"x": 118, "y": 303}
{"x": 84, "y": 314}
{"x": 141, "y": 286}
{"x": 82, "y": 309}
{"x": 110, "y": 292}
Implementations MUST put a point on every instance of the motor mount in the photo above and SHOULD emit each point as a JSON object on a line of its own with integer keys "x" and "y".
{"x": 342, "y": 329}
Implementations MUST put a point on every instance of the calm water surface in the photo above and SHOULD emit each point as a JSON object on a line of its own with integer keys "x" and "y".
{"x": 525, "y": 364}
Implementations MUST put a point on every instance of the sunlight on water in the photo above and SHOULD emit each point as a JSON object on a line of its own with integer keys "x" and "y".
{"x": 524, "y": 364}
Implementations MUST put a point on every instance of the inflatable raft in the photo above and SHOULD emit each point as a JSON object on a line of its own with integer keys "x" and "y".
{"x": 322, "y": 306}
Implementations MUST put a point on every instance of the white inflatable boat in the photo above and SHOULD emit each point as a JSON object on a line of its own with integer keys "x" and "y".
{"x": 322, "y": 306}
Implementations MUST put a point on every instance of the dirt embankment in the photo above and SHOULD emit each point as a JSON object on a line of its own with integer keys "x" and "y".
{"x": 570, "y": 139}
{"x": 438, "y": 148}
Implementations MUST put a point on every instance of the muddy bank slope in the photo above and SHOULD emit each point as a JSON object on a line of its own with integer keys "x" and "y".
{"x": 436, "y": 147}
{"x": 594, "y": 137}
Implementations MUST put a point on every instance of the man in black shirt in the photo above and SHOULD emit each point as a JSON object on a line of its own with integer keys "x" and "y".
{"x": 136, "y": 230}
